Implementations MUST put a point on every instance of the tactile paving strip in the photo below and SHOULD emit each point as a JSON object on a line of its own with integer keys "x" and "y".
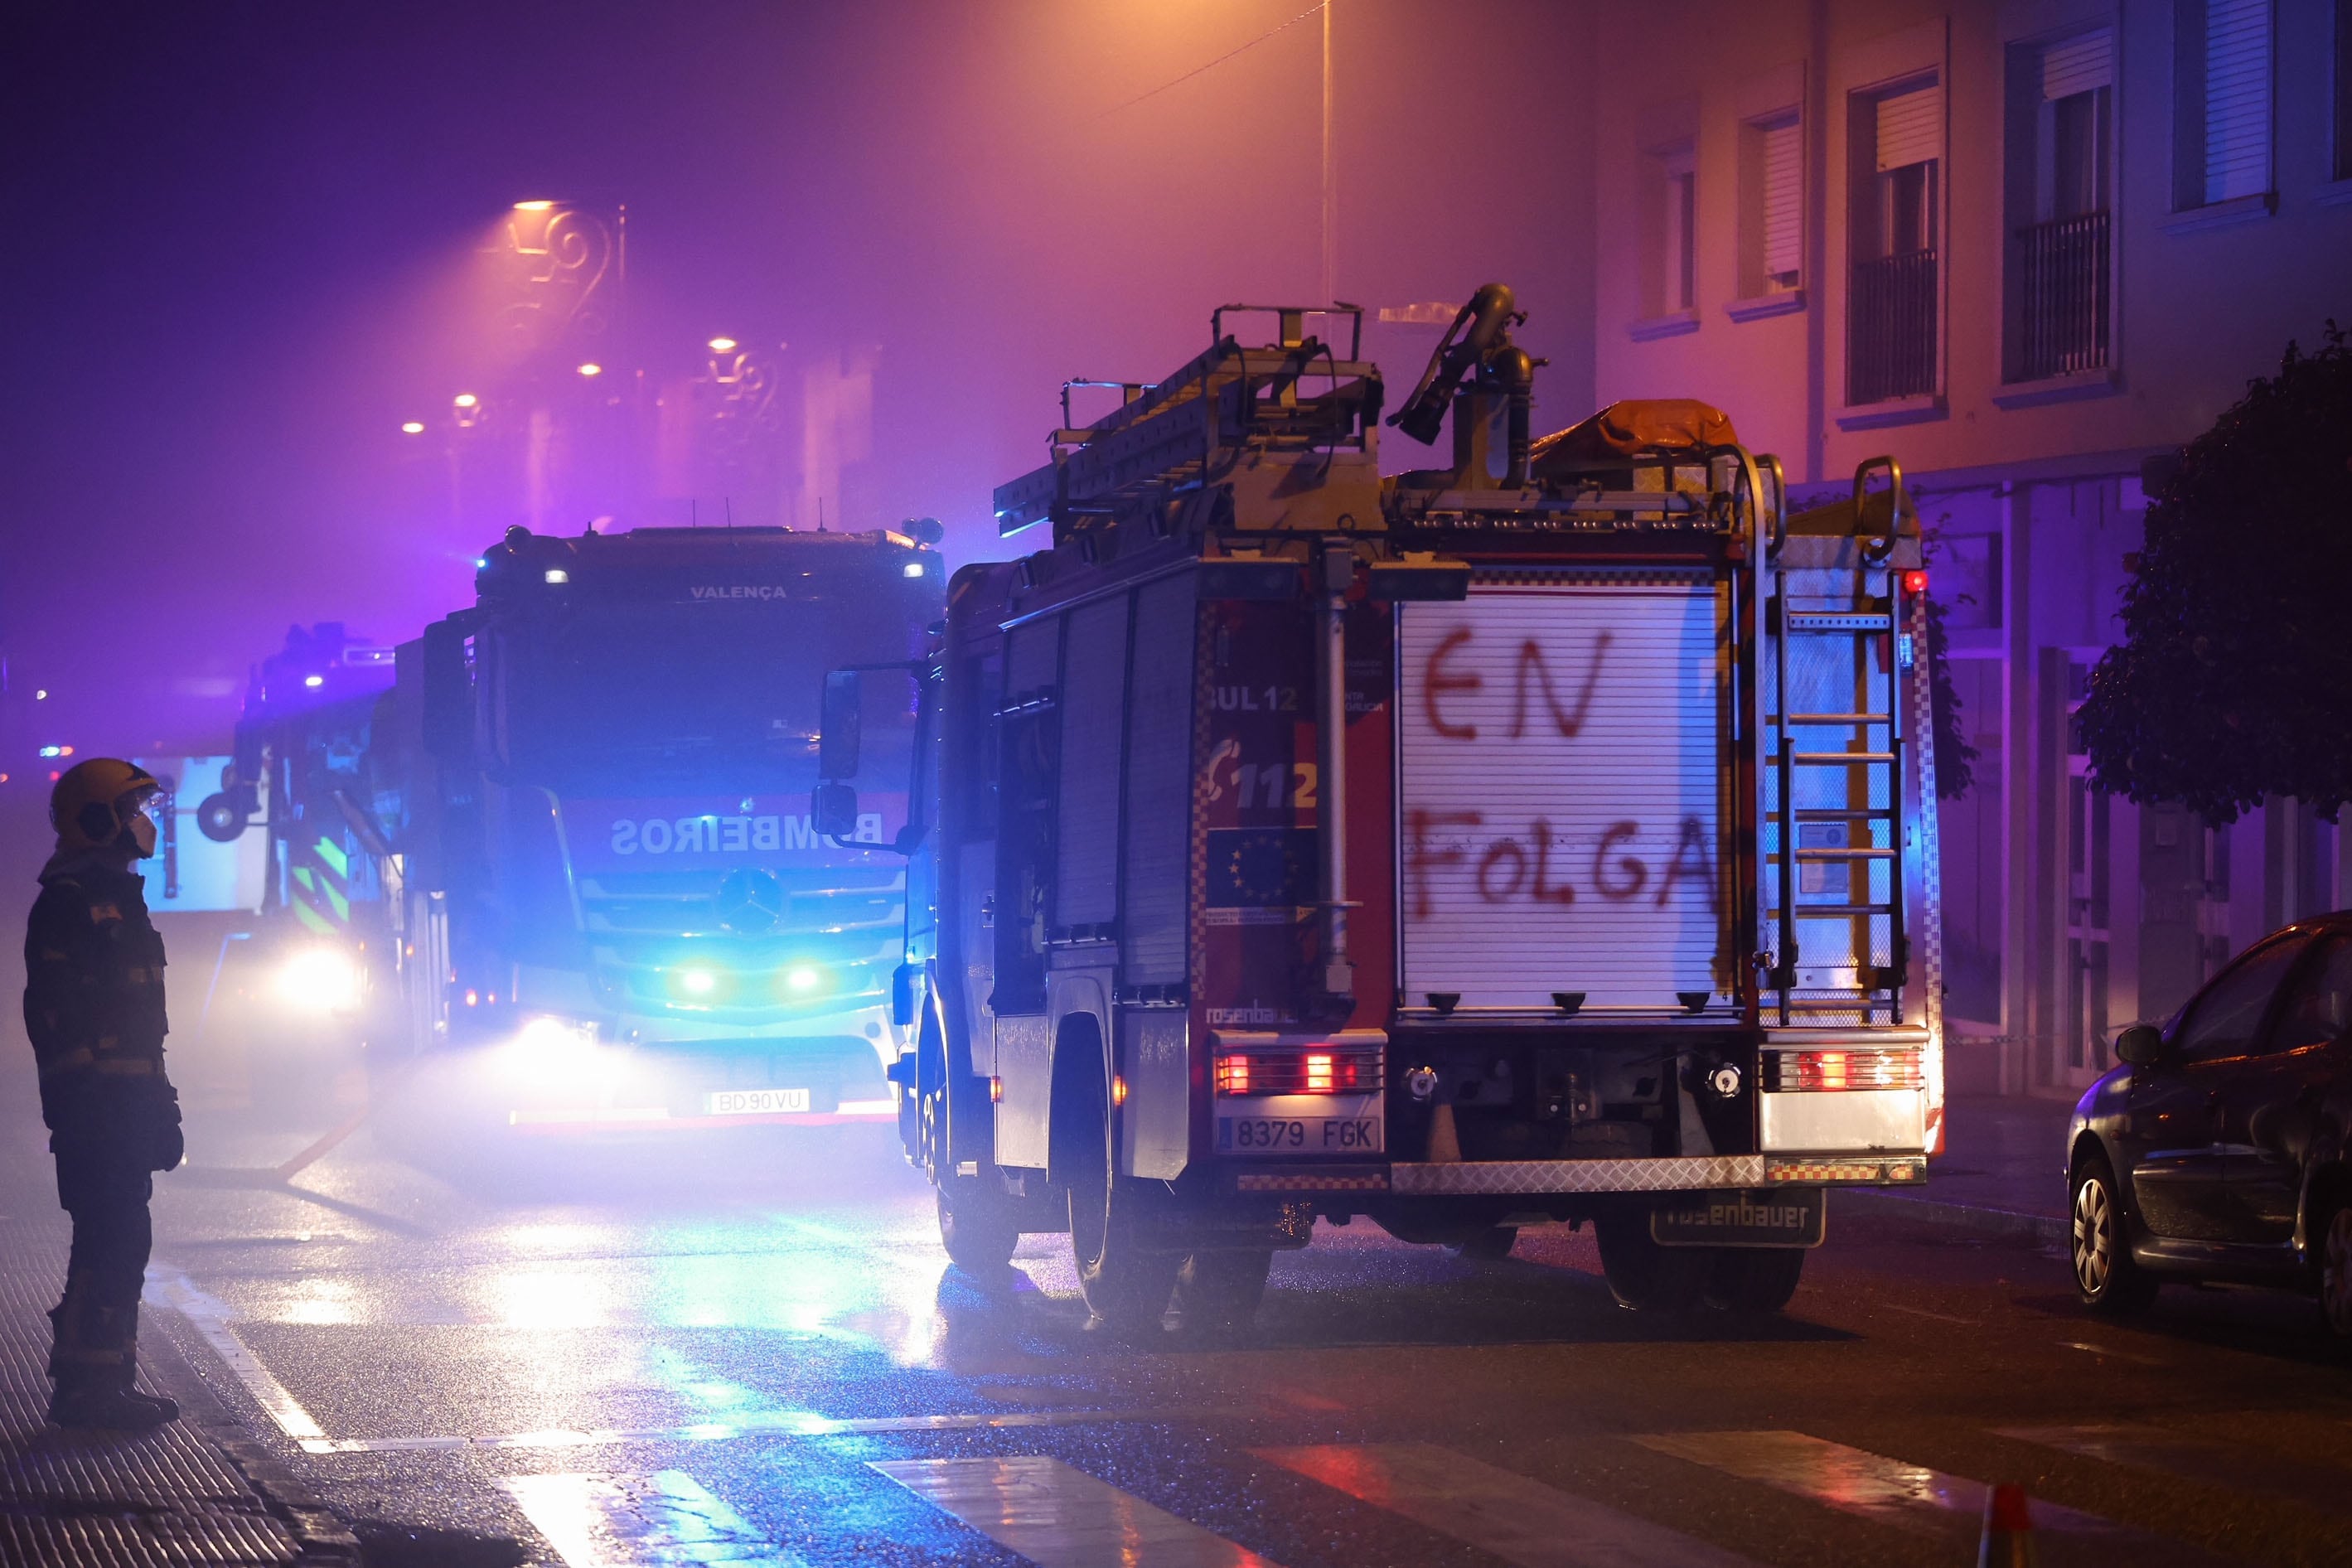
{"x": 167, "y": 1498}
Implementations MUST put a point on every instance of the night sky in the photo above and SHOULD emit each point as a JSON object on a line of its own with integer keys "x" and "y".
{"x": 237, "y": 236}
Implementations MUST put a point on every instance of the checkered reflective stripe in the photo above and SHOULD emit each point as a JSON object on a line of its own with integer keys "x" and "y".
{"x": 1592, "y": 578}
{"x": 1305, "y": 1182}
{"x": 1928, "y": 929}
{"x": 1846, "y": 1171}
{"x": 1686, "y": 1173}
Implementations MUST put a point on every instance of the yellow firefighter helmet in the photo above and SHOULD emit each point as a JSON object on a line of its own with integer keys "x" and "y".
{"x": 95, "y": 801}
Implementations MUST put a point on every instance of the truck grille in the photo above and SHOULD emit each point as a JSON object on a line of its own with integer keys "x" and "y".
{"x": 798, "y": 944}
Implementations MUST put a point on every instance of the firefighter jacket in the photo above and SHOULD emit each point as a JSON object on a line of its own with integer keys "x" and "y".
{"x": 94, "y": 1012}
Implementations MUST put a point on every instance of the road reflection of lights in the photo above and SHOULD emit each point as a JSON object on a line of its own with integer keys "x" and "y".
{"x": 320, "y": 1302}
{"x": 553, "y": 1299}
{"x": 550, "y": 1237}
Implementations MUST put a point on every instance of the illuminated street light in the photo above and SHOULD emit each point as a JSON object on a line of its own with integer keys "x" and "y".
{"x": 532, "y": 206}
{"x": 722, "y": 345}
{"x": 592, "y": 368}
{"x": 466, "y": 400}
{"x": 413, "y": 427}
{"x": 314, "y": 680}
{"x": 42, "y": 695}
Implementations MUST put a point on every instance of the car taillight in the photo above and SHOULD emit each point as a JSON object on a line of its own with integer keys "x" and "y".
{"x": 1313, "y": 1069}
{"x": 1832, "y": 1070}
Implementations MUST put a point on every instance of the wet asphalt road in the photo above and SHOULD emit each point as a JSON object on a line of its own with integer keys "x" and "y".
{"x": 754, "y": 1352}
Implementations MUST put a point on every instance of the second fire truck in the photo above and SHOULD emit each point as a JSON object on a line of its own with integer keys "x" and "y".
{"x": 1546, "y": 836}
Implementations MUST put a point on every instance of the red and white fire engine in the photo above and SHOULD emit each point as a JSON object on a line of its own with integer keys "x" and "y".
{"x": 1546, "y": 837}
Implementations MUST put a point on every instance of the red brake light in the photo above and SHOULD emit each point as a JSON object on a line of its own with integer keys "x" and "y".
{"x": 1332, "y": 1069}
{"x": 1833, "y": 1071}
{"x": 1915, "y": 583}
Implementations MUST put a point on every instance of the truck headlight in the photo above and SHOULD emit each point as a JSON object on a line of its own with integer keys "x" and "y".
{"x": 319, "y": 980}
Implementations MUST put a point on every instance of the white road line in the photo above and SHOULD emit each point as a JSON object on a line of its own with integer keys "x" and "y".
{"x": 2109, "y": 1351}
{"x": 1855, "y": 1480}
{"x": 664, "y": 1521}
{"x": 779, "y": 1424}
{"x": 1058, "y": 1517}
{"x": 2314, "y": 1476}
{"x": 168, "y": 1286}
{"x": 1499, "y": 1512}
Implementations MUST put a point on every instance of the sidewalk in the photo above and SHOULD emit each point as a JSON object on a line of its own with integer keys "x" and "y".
{"x": 196, "y": 1491}
{"x": 2002, "y": 1172}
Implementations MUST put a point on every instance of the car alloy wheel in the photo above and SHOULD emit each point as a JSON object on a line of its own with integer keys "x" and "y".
{"x": 2105, "y": 1275}
{"x": 2094, "y": 1235}
{"x": 2336, "y": 1273}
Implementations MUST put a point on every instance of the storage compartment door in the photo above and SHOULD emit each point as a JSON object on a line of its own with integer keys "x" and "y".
{"x": 1560, "y": 771}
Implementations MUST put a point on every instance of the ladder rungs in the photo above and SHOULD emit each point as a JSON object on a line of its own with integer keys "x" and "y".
{"x": 1834, "y": 621}
{"x": 1839, "y": 759}
{"x": 1806, "y": 911}
{"x": 1845, "y": 854}
{"x": 1844, "y": 813}
{"x": 1836, "y": 718}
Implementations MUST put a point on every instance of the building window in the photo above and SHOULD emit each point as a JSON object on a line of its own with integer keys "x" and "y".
{"x": 1772, "y": 205}
{"x": 2221, "y": 150}
{"x": 2062, "y": 157}
{"x": 1670, "y": 173}
{"x": 1894, "y": 306}
{"x": 2343, "y": 164}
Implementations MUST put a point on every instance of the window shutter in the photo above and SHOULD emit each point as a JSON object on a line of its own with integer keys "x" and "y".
{"x": 2081, "y": 64}
{"x": 1911, "y": 127}
{"x": 1784, "y": 192}
{"x": 2237, "y": 98}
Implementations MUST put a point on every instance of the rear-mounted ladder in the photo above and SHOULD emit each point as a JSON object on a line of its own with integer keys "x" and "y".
{"x": 1858, "y": 789}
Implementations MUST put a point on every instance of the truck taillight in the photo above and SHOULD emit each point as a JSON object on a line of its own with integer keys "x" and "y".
{"x": 1832, "y": 1070}
{"x": 1313, "y": 1069}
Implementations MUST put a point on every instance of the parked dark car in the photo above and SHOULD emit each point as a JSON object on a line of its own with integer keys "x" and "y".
{"x": 2217, "y": 1149}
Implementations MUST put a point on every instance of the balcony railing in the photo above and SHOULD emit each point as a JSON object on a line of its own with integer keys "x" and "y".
{"x": 2063, "y": 321}
{"x": 1891, "y": 347}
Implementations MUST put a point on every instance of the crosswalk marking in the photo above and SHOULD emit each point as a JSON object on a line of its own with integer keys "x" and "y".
{"x": 668, "y": 1519}
{"x": 1059, "y": 1516}
{"x": 1855, "y": 1480}
{"x": 1497, "y": 1511}
{"x": 759, "y": 1424}
{"x": 2197, "y": 1458}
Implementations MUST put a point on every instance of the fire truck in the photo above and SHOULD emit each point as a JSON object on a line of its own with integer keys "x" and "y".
{"x": 571, "y": 857}
{"x": 1543, "y": 837}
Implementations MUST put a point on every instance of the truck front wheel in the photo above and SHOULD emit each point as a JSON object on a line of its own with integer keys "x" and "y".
{"x": 1644, "y": 1277}
{"x": 976, "y": 1225}
{"x": 1126, "y": 1285}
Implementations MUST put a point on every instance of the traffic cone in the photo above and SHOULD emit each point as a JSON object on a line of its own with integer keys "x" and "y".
{"x": 2008, "y": 1529}
{"x": 1445, "y": 1146}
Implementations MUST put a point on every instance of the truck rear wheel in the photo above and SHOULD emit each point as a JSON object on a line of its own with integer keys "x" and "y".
{"x": 1644, "y": 1277}
{"x": 1219, "y": 1291}
{"x": 1126, "y": 1285}
{"x": 1754, "y": 1281}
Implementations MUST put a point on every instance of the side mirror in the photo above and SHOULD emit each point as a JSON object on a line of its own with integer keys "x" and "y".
{"x": 2140, "y": 1045}
{"x": 833, "y": 809}
{"x": 839, "y": 716}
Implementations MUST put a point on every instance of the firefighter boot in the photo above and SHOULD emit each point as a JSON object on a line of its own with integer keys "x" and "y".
{"x": 83, "y": 1403}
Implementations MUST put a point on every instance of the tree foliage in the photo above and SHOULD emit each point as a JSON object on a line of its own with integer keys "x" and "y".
{"x": 2234, "y": 678}
{"x": 1956, "y": 760}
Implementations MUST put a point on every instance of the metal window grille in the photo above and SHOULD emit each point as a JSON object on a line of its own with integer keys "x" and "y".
{"x": 2063, "y": 270}
{"x": 1890, "y": 337}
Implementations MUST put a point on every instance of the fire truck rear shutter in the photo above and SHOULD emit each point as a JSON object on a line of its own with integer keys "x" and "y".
{"x": 1159, "y": 786}
{"x": 1086, "y": 891}
{"x": 1560, "y": 765}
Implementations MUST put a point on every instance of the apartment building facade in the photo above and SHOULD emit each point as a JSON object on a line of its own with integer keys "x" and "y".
{"x": 2025, "y": 248}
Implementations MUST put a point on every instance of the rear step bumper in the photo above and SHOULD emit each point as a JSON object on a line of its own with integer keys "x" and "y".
{"x": 1469, "y": 1178}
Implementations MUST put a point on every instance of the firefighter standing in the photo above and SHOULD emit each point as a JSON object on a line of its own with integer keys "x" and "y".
{"x": 94, "y": 1011}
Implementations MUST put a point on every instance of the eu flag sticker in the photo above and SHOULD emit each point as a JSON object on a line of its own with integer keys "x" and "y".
{"x": 1258, "y": 866}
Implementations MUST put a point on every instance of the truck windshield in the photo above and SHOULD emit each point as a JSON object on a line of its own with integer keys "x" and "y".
{"x": 698, "y": 695}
